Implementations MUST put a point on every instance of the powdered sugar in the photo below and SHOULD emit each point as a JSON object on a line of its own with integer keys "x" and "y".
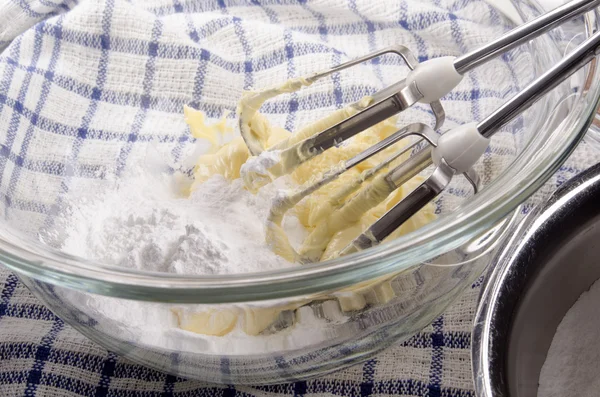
{"x": 571, "y": 366}
{"x": 255, "y": 171}
{"x": 144, "y": 225}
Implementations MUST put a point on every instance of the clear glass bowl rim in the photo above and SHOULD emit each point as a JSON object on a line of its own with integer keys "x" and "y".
{"x": 442, "y": 235}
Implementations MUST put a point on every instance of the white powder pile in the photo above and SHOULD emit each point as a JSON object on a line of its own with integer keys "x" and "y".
{"x": 572, "y": 366}
{"x": 154, "y": 324}
{"x": 144, "y": 225}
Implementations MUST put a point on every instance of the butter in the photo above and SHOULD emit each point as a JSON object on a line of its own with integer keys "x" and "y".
{"x": 330, "y": 215}
{"x": 211, "y": 322}
{"x": 200, "y": 129}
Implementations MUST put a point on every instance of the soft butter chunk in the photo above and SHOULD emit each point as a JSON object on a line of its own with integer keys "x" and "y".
{"x": 329, "y": 234}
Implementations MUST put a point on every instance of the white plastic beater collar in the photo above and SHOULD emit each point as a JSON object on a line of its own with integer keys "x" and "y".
{"x": 461, "y": 147}
{"x": 434, "y": 78}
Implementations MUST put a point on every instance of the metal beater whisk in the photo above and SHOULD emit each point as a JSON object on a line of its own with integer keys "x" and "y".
{"x": 454, "y": 152}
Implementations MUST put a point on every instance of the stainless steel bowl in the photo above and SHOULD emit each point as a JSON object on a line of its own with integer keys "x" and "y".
{"x": 550, "y": 261}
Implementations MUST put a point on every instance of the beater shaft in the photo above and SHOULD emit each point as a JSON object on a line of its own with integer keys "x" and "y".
{"x": 524, "y": 33}
{"x": 453, "y": 153}
{"x": 443, "y": 174}
{"x": 414, "y": 91}
{"x": 426, "y": 82}
{"x": 578, "y": 58}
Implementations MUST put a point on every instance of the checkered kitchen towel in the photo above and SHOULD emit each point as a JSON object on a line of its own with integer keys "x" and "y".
{"x": 115, "y": 74}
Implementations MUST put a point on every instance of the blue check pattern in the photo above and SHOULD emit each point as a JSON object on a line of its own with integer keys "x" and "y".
{"x": 76, "y": 76}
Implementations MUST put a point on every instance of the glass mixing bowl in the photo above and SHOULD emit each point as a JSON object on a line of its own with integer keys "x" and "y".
{"x": 303, "y": 322}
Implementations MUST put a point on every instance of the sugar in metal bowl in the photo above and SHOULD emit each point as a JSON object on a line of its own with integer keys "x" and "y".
{"x": 551, "y": 260}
